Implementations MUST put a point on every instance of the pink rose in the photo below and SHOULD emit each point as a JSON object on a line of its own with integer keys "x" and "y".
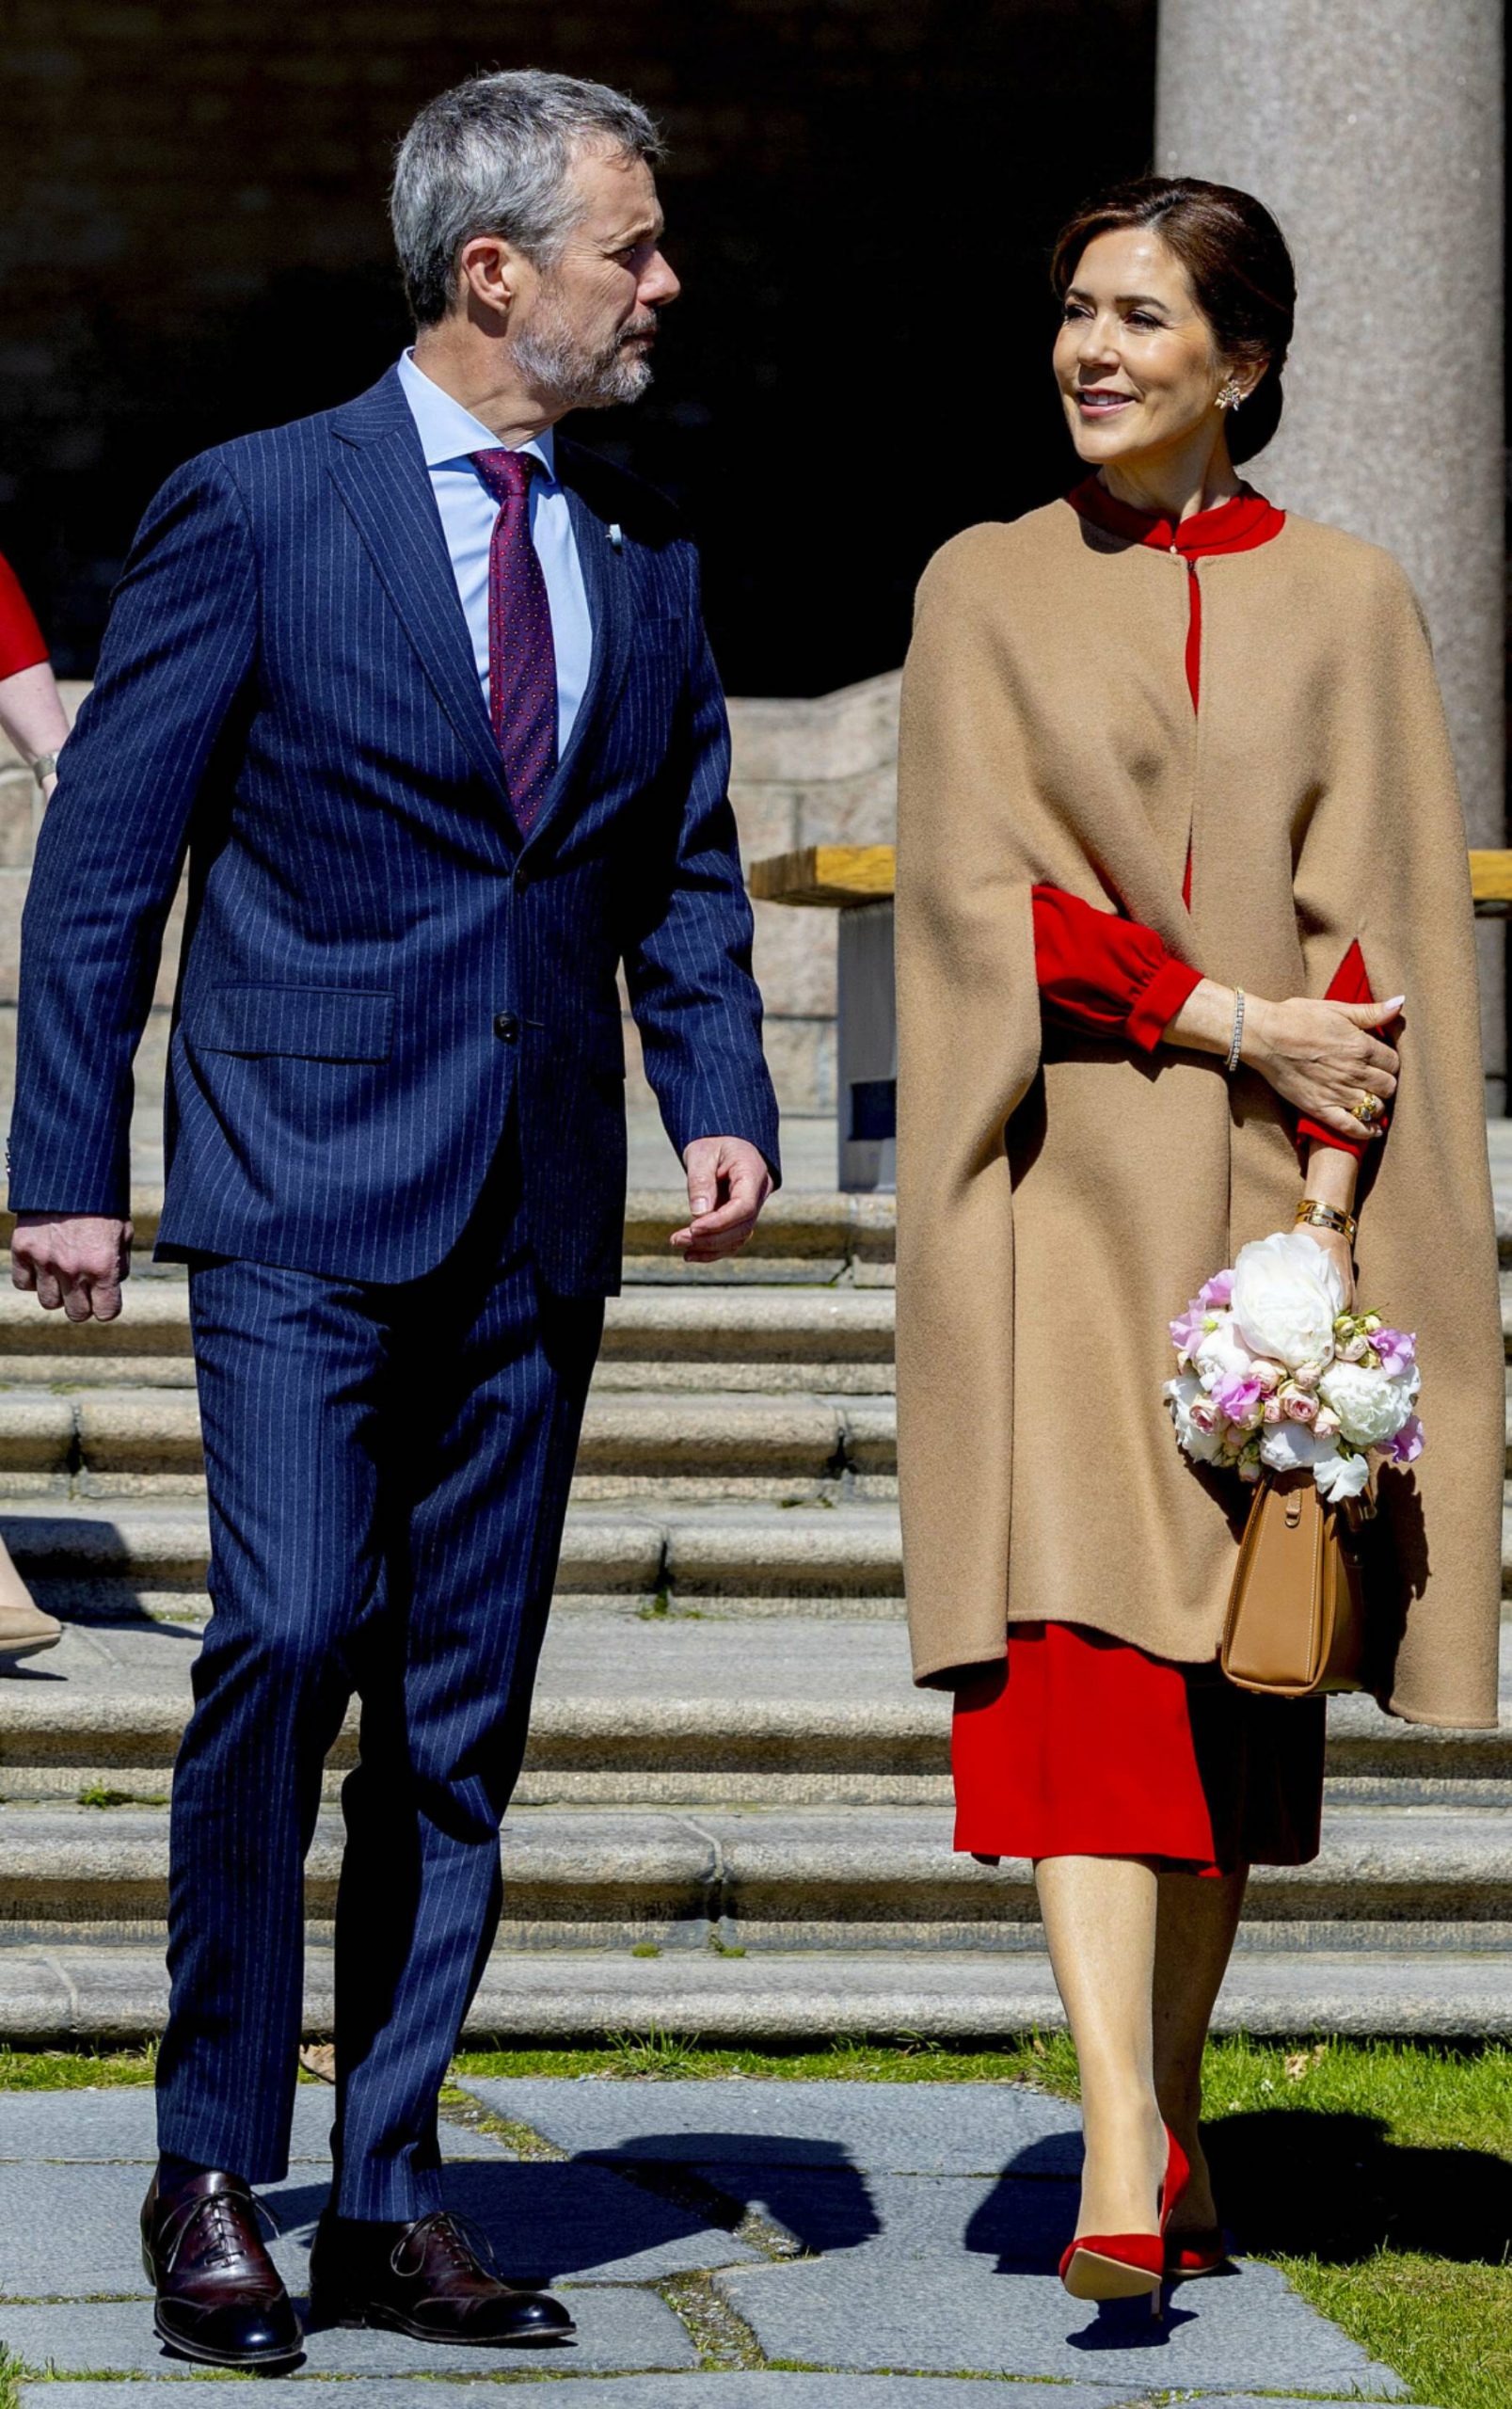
{"x": 1326, "y": 1424}
{"x": 1205, "y": 1413}
{"x": 1270, "y": 1410}
{"x": 1298, "y": 1406}
{"x": 1307, "y": 1376}
{"x": 1216, "y": 1291}
{"x": 1408, "y": 1444}
{"x": 1354, "y": 1350}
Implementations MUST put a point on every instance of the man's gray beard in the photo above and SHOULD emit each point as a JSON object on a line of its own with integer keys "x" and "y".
{"x": 563, "y": 371}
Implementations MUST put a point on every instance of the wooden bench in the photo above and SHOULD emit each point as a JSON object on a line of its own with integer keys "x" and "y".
{"x": 857, "y": 882}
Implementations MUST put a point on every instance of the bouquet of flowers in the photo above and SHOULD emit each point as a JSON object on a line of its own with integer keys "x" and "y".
{"x": 1273, "y": 1374}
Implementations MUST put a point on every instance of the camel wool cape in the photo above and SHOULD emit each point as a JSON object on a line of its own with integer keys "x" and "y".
{"x": 1061, "y": 1197}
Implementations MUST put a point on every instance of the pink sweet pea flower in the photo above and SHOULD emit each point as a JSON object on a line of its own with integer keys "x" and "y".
{"x": 1216, "y": 1291}
{"x": 1186, "y": 1330}
{"x": 1397, "y": 1349}
{"x": 1239, "y": 1397}
{"x": 1408, "y": 1444}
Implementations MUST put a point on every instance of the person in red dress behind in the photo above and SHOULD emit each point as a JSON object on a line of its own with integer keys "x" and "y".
{"x": 33, "y": 717}
{"x": 1080, "y": 1750}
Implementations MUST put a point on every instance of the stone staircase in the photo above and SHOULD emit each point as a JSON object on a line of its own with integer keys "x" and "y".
{"x": 735, "y": 1815}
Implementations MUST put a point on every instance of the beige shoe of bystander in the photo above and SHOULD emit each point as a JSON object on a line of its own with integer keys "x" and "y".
{"x": 24, "y": 1629}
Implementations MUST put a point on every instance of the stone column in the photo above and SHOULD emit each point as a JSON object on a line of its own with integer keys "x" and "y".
{"x": 1373, "y": 128}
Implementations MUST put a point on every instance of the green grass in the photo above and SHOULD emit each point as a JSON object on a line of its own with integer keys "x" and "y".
{"x": 1378, "y": 2176}
{"x": 1047, "y": 2060}
{"x": 73, "y": 2070}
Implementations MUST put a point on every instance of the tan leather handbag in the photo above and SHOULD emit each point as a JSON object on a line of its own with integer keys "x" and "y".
{"x": 1296, "y": 1623}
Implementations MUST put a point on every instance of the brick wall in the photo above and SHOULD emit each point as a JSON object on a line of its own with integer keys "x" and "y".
{"x": 860, "y": 194}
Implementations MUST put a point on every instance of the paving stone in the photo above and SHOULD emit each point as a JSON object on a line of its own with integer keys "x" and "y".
{"x": 732, "y": 2391}
{"x": 69, "y": 2231}
{"x": 852, "y": 2311}
{"x": 885, "y": 2129}
{"x": 618, "y": 2327}
{"x": 830, "y": 2210}
{"x": 120, "y": 2124}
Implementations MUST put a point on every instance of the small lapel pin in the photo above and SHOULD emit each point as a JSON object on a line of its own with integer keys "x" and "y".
{"x": 617, "y": 535}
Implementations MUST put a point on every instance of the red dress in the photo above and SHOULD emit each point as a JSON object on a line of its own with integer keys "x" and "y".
{"x": 21, "y": 644}
{"x": 1078, "y": 1743}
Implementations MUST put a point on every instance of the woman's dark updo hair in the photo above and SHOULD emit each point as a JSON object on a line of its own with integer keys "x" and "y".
{"x": 1240, "y": 269}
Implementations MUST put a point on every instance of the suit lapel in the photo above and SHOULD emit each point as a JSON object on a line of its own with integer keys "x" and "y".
{"x": 379, "y": 473}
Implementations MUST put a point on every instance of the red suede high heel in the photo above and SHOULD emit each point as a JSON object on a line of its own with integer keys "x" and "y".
{"x": 1120, "y": 2266}
{"x": 1205, "y": 2251}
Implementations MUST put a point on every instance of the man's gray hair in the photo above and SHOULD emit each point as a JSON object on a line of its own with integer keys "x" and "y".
{"x": 494, "y": 156}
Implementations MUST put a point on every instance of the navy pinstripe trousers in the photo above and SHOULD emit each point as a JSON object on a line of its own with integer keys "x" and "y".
{"x": 387, "y": 1470}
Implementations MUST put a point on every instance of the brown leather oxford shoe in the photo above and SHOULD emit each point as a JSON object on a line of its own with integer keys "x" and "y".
{"x": 425, "y": 2280}
{"x": 220, "y": 2296}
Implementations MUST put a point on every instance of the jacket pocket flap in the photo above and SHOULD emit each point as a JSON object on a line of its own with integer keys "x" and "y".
{"x": 316, "y": 1024}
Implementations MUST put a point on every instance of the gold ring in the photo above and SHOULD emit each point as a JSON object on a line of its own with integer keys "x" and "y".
{"x": 1370, "y": 1108}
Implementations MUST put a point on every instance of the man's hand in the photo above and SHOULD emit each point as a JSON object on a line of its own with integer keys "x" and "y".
{"x": 76, "y": 1260}
{"x": 729, "y": 1183}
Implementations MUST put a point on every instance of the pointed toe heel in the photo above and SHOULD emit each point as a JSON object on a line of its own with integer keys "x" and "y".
{"x": 1124, "y": 2266}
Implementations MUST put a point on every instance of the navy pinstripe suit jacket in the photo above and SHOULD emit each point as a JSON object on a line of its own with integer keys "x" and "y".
{"x": 376, "y": 964}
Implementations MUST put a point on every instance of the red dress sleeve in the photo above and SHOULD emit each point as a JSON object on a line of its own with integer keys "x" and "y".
{"x": 1349, "y": 986}
{"x": 1104, "y": 972}
{"x": 22, "y": 642}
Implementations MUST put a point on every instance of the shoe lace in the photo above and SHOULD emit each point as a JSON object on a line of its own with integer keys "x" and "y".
{"x": 223, "y": 2214}
{"x": 465, "y": 2246}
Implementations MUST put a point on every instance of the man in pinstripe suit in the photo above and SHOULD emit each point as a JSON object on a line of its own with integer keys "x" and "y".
{"x": 425, "y": 697}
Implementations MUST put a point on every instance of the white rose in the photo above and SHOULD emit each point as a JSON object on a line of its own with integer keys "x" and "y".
{"x": 1219, "y": 1353}
{"x": 1370, "y": 1405}
{"x": 1204, "y": 1447}
{"x": 1287, "y": 1293}
{"x": 1291, "y": 1446}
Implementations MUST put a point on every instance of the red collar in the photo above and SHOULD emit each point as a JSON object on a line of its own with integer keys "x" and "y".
{"x": 1238, "y": 525}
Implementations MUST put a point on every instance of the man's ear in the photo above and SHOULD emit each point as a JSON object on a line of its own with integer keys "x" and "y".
{"x": 491, "y": 272}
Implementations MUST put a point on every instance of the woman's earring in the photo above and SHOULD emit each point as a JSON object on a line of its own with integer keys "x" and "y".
{"x": 1230, "y": 395}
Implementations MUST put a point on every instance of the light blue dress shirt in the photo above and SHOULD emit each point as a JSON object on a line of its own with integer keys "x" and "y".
{"x": 448, "y": 433}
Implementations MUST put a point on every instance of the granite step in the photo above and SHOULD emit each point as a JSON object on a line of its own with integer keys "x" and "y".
{"x": 123, "y": 1558}
{"x": 758, "y": 1878}
{"x": 666, "y": 1710}
{"x": 656, "y": 1335}
{"x": 799, "y": 1225}
{"x": 123, "y": 1442}
{"x": 58, "y": 1995}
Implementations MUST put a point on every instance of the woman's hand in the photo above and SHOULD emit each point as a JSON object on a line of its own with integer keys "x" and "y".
{"x": 1336, "y": 1247}
{"x": 1323, "y": 1056}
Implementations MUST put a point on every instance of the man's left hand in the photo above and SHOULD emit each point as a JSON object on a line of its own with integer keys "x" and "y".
{"x": 729, "y": 1183}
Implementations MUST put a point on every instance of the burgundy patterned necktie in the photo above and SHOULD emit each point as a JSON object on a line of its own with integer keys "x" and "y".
{"x": 522, "y": 698}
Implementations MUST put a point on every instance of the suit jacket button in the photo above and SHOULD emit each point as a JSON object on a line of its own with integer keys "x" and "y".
{"x": 506, "y": 1024}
